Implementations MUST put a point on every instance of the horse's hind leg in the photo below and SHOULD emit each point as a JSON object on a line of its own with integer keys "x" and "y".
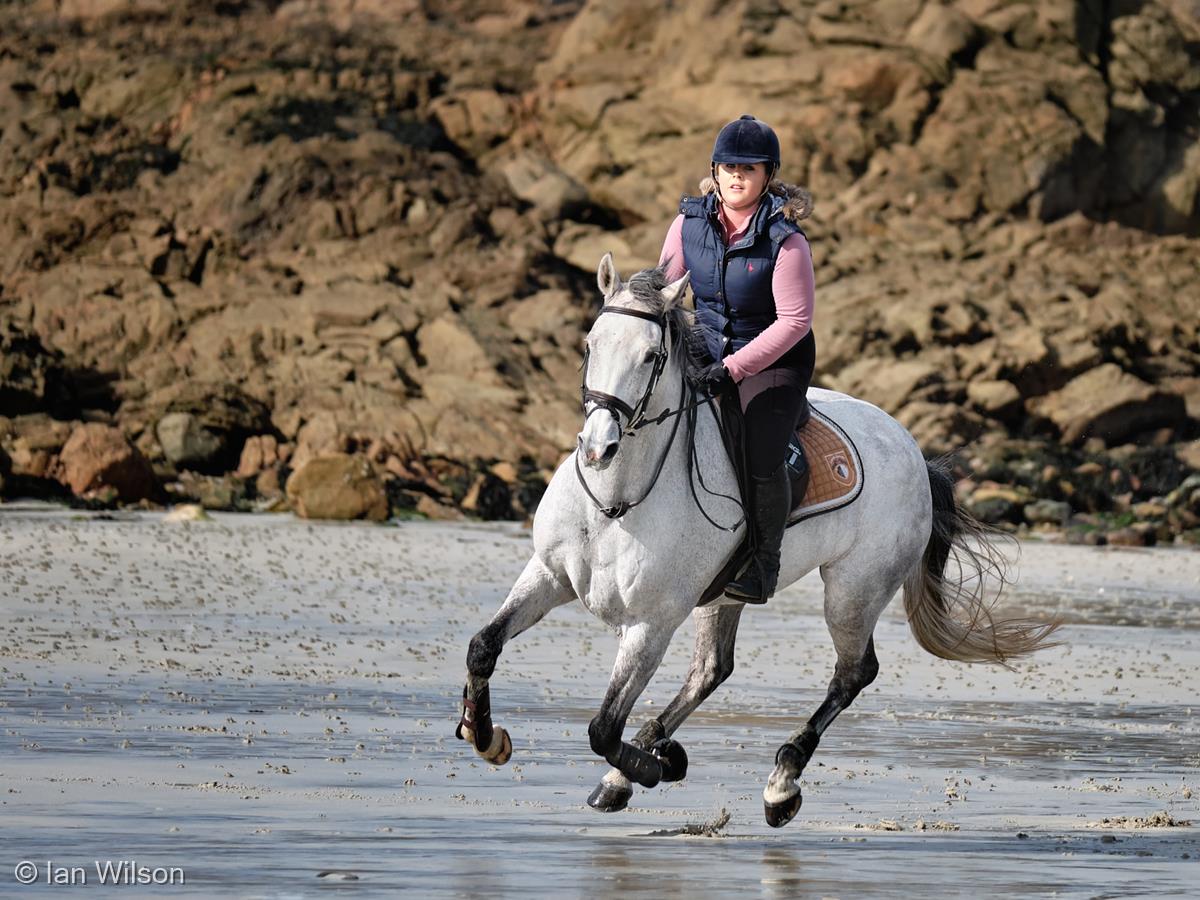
{"x": 851, "y": 611}
{"x": 712, "y": 663}
{"x": 536, "y": 592}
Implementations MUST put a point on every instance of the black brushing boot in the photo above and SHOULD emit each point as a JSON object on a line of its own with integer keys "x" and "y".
{"x": 771, "y": 500}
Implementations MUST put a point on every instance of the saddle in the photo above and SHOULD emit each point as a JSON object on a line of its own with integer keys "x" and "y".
{"x": 835, "y": 475}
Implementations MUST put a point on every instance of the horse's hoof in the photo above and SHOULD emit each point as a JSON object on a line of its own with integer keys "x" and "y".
{"x": 609, "y": 798}
{"x": 779, "y": 814}
{"x": 673, "y": 758}
{"x": 500, "y": 750}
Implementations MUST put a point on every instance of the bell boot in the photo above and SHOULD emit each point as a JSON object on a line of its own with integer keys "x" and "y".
{"x": 771, "y": 500}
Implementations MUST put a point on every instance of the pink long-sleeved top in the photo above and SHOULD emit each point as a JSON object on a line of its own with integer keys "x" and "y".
{"x": 792, "y": 284}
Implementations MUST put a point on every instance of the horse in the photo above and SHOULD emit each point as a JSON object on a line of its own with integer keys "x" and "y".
{"x": 622, "y": 527}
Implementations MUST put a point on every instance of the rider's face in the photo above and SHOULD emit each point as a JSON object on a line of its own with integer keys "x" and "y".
{"x": 741, "y": 184}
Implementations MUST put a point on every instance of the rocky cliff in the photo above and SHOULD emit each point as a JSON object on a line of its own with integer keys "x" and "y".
{"x": 245, "y": 235}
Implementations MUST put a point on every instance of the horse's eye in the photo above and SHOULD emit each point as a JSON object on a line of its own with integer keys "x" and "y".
{"x": 650, "y": 356}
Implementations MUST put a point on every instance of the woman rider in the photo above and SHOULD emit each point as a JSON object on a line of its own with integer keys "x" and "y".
{"x": 752, "y": 277}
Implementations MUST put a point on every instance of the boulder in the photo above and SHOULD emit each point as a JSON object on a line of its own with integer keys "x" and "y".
{"x": 36, "y": 439}
{"x": 186, "y": 443}
{"x": 993, "y": 506}
{"x": 205, "y": 425}
{"x": 223, "y": 492}
{"x": 476, "y": 119}
{"x": 1048, "y": 512}
{"x": 261, "y": 452}
{"x": 538, "y": 181}
{"x": 941, "y": 31}
{"x": 337, "y": 486}
{"x": 433, "y": 509}
{"x": 887, "y": 383}
{"x": 1111, "y": 404}
{"x": 997, "y": 399}
{"x": 98, "y": 457}
{"x": 1189, "y": 454}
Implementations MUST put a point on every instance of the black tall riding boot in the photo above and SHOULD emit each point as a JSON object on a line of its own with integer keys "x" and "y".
{"x": 771, "y": 500}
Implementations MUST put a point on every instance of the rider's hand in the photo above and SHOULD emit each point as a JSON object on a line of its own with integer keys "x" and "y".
{"x": 716, "y": 379}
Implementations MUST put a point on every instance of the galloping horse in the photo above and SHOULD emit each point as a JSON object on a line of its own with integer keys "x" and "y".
{"x": 626, "y": 533}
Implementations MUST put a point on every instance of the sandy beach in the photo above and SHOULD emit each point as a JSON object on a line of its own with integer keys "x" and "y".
{"x": 267, "y": 705}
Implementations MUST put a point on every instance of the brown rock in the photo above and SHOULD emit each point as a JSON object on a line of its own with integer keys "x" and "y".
{"x": 99, "y": 457}
{"x": 185, "y": 441}
{"x": 259, "y": 452}
{"x": 36, "y": 441}
{"x": 941, "y": 31}
{"x": 1130, "y": 537}
{"x": 998, "y": 399}
{"x": 583, "y": 246}
{"x": 217, "y": 492}
{"x": 887, "y": 383}
{"x": 476, "y": 118}
{"x": 537, "y": 180}
{"x": 1149, "y": 509}
{"x": 432, "y": 509}
{"x": 1189, "y": 454}
{"x": 338, "y": 486}
{"x": 267, "y": 485}
{"x": 1110, "y": 404}
{"x": 505, "y": 471}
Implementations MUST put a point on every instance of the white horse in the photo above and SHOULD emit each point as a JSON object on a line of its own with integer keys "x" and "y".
{"x": 626, "y": 533}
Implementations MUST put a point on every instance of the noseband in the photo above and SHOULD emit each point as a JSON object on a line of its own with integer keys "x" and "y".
{"x": 634, "y": 415}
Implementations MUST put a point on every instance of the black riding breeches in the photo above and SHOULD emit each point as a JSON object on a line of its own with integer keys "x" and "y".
{"x": 772, "y": 403}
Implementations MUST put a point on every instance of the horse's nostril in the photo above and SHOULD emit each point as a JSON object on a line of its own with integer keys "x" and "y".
{"x": 609, "y": 452}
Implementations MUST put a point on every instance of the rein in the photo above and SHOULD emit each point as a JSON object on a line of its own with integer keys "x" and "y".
{"x": 636, "y": 418}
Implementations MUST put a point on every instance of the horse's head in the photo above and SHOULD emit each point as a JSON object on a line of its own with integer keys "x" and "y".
{"x": 626, "y": 353}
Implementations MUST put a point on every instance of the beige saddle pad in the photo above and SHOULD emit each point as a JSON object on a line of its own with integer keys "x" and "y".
{"x": 836, "y": 476}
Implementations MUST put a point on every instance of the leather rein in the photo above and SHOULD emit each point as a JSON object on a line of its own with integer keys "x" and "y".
{"x": 635, "y": 415}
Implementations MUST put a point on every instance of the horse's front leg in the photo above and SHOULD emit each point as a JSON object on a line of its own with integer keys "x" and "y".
{"x": 712, "y": 663}
{"x": 535, "y": 593}
{"x": 641, "y": 650}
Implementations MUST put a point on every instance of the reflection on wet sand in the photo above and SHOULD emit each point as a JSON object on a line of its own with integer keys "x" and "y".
{"x": 261, "y": 701}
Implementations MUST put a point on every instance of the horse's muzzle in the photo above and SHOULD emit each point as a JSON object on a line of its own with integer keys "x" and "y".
{"x": 599, "y": 441}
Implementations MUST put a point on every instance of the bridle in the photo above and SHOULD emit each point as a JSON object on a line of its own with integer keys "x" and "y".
{"x": 634, "y": 415}
{"x": 636, "y": 418}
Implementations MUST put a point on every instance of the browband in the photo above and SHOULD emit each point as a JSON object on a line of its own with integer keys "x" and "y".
{"x": 629, "y": 311}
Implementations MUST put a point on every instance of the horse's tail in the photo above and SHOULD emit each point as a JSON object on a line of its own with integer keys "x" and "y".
{"x": 952, "y": 617}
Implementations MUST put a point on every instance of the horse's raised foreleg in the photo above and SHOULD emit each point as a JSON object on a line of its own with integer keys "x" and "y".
{"x": 712, "y": 663}
{"x": 853, "y": 672}
{"x": 640, "y": 652}
{"x": 536, "y": 592}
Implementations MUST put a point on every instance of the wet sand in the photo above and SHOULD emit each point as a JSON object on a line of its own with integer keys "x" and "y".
{"x": 268, "y": 705}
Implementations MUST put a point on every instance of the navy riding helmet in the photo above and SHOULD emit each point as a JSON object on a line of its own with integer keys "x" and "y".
{"x": 746, "y": 140}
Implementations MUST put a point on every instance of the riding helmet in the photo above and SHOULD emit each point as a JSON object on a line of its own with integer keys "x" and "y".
{"x": 746, "y": 140}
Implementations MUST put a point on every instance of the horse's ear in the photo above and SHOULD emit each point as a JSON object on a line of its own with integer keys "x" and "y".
{"x": 607, "y": 277}
{"x": 673, "y": 293}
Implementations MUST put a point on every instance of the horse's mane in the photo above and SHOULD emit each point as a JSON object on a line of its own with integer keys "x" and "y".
{"x": 645, "y": 289}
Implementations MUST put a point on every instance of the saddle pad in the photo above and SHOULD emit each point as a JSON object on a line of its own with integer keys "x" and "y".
{"x": 836, "y": 476}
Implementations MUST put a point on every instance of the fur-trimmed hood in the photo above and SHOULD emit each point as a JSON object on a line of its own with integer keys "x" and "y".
{"x": 798, "y": 202}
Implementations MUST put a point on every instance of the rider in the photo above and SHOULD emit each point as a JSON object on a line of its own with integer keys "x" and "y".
{"x": 752, "y": 277}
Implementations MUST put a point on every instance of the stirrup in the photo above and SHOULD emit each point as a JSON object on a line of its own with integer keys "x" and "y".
{"x": 749, "y": 586}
